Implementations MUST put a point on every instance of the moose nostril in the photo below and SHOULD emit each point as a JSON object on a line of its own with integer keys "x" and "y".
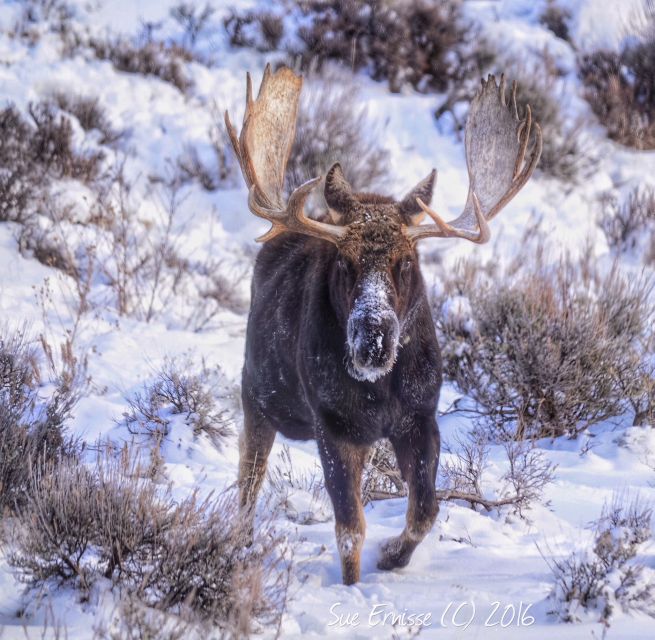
{"x": 373, "y": 343}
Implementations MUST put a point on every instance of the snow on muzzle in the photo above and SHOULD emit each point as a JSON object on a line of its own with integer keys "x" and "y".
{"x": 373, "y": 330}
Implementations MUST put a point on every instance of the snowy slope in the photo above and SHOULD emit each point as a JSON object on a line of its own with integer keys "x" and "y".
{"x": 487, "y": 563}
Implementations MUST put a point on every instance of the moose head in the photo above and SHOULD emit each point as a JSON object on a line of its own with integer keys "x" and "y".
{"x": 347, "y": 290}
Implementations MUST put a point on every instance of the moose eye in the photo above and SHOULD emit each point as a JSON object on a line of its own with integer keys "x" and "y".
{"x": 402, "y": 272}
{"x": 404, "y": 268}
{"x": 346, "y": 272}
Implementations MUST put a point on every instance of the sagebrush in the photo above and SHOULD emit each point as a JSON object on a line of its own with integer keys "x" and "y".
{"x": 180, "y": 389}
{"x": 607, "y": 575}
{"x": 620, "y": 88}
{"x": 195, "y": 558}
{"x": 546, "y": 350}
{"x": 629, "y": 224}
{"x": 150, "y": 58}
{"x": 33, "y": 428}
{"x": 36, "y": 148}
{"x": 416, "y": 43}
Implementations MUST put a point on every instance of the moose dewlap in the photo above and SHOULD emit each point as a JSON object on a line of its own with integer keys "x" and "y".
{"x": 340, "y": 344}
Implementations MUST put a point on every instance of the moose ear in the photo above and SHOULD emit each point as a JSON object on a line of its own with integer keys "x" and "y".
{"x": 423, "y": 190}
{"x": 338, "y": 194}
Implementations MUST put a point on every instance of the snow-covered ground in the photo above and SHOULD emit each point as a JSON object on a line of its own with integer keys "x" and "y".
{"x": 490, "y": 565}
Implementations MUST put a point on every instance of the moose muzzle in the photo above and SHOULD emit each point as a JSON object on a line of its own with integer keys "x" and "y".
{"x": 373, "y": 329}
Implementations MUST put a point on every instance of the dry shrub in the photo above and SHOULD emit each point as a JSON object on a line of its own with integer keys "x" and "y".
{"x": 332, "y": 127}
{"x": 607, "y": 576}
{"x": 151, "y": 58}
{"x": 192, "y": 167}
{"x": 643, "y": 401}
{"x": 301, "y": 495}
{"x": 620, "y": 87}
{"x": 191, "y": 557}
{"x": 223, "y": 291}
{"x": 135, "y": 254}
{"x": 212, "y": 175}
{"x": 54, "y": 528}
{"x": 193, "y": 19}
{"x": 39, "y": 16}
{"x": 461, "y": 476}
{"x": 33, "y": 152}
{"x": 221, "y": 170}
{"x": 31, "y": 427}
{"x": 463, "y": 473}
{"x": 546, "y": 350}
{"x": 382, "y": 478}
{"x": 526, "y": 477}
{"x": 52, "y": 145}
{"x": 138, "y": 258}
{"x": 47, "y": 10}
{"x": 131, "y": 619}
{"x": 18, "y": 382}
{"x": 629, "y": 226}
{"x": 255, "y": 29}
{"x": 556, "y": 18}
{"x": 19, "y": 373}
{"x": 89, "y": 114}
{"x": 522, "y": 485}
{"x": 141, "y": 262}
{"x": 141, "y": 55}
{"x": 407, "y": 42}
{"x": 39, "y": 241}
{"x": 227, "y": 166}
{"x": 402, "y": 42}
{"x": 19, "y": 173}
{"x": 177, "y": 390}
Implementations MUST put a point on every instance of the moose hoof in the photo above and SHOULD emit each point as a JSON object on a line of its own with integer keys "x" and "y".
{"x": 395, "y": 553}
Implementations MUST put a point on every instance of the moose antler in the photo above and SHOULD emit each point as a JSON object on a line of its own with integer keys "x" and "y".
{"x": 263, "y": 148}
{"x": 496, "y": 146}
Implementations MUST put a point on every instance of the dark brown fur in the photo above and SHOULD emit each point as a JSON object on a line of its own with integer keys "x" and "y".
{"x": 299, "y": 376}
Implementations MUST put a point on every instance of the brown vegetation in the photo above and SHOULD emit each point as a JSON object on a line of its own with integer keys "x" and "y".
{"x": 547, "y": 350}
{"x": 189, "y": 557}
{"x": 421, "y": 44}
{"x": 608, "y": 575}
{"x": 620, "y": 88}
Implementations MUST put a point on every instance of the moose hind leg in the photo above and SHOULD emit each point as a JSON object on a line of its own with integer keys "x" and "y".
{"x": 342, "y": 466}
{"x": 255, "y": 443}
{"x": 417, "y": 453}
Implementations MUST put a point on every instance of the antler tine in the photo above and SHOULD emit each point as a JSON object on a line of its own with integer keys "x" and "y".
{"x": 419, "y": 232}
{"x": 293, "y": 218}
{"x": 263, "y": 148}
{"x": 515, "y": 87}
{"x": 497, "y": 142}
{"x": 249, "y": 100}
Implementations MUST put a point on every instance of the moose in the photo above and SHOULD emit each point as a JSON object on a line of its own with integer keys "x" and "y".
{"x": 340, "y": 344}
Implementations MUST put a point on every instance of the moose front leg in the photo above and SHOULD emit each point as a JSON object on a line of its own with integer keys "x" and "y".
{"x": 417, "y": 452}
{"x": 342, "y": 467}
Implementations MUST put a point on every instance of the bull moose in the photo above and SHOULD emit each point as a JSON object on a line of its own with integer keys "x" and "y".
{"x": 340, "y": 346}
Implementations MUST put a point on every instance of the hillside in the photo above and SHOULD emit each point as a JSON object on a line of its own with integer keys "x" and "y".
{"x": 126, "y": 252}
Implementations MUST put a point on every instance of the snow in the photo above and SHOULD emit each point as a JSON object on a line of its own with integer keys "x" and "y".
{"x": 473, "y": 567}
